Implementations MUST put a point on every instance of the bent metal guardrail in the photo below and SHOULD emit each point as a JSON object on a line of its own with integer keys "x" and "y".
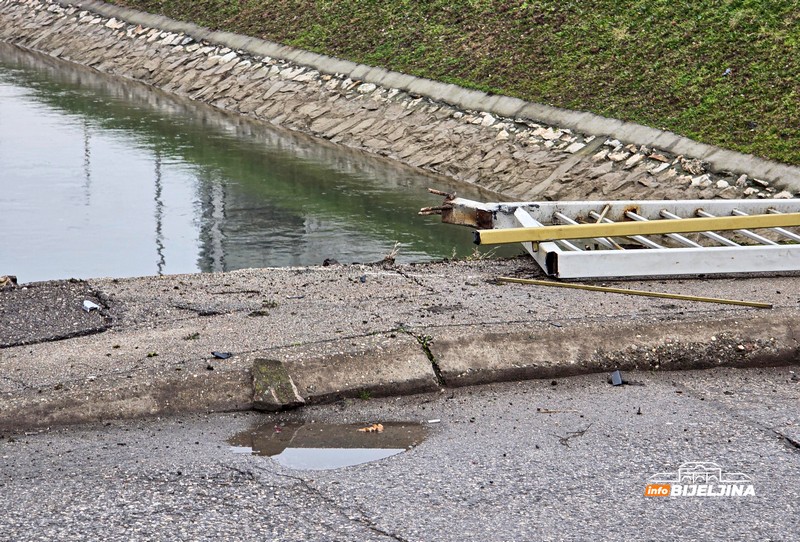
{"x": 603, "y": 239}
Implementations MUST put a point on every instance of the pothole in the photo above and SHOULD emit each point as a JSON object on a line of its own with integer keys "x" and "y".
{"x": 321, "y": 446}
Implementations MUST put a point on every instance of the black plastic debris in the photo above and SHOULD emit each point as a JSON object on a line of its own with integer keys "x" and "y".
{"x": 221, "y": 355}
{"x": 616, "y": 379}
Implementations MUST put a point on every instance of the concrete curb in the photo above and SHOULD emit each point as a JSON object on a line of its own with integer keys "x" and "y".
{"x": 467, "y": 359}
{"x": 784, "y": 175}
{"x": 459, "y": 356}
{"x": 131, "y": 395}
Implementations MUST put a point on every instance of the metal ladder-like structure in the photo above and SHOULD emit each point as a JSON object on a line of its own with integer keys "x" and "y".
{"x": 595, "y": 239}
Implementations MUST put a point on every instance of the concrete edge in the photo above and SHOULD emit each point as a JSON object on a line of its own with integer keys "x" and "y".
{"x": 783, "y": 175}
{"x": 126, "y": 396}
{"x": 383, "y": 365}
{"x": 453, "y": 357}
{"x": 562, "y": 352}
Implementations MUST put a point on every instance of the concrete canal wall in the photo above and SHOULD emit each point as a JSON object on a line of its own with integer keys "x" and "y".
{"x": 519, "y": 149}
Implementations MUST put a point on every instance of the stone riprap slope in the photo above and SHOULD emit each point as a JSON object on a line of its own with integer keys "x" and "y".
{"x": 517, "y": 157}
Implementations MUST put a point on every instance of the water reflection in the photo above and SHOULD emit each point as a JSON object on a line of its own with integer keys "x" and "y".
{"x": 164, "y": 185}
{"x": 321, "y": 446}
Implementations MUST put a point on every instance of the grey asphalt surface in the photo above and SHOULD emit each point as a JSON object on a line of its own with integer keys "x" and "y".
{"x": 539, "y": 460}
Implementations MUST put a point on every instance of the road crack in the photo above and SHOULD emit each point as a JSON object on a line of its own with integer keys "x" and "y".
{"x": 360, "y": 516}
{"x": 571, "y": 435}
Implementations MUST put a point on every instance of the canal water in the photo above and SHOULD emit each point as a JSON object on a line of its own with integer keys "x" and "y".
{"x": 105, "y": 177}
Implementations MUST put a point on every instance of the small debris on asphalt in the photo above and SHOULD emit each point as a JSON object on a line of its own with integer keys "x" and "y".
{"x": 88, "y": 306}
{"x": 222, "y": 355}
{"x": 434, "y": 421}
{"x": 329, "y": 261}
{"x": 553, "y": 411}
{"x": 639, "y": 411}
{"x": 374, "y": 428}
{"x": 616, "y": 379}
{"x": 209, "y": 367}
{"x": 572, "y": 434}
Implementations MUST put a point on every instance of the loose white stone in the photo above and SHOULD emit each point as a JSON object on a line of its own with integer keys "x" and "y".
{"x": 228, "y": 57}
{"x": 722, "y": 184}
{"x": 575, "y": 147}
{"x": 619, "y": 156}
{"x": 114, "y": 24}
{"x": 749, "y": 191}
{"x": 502, "y": 135}
{"x": 366, "y": 88}
{"x": 783, "y": 195}
{"x": 547, "y": 134}
{"x": 487, "y": 120}
{"x": 657, "y": 168}
{"x": 633, "y": 160}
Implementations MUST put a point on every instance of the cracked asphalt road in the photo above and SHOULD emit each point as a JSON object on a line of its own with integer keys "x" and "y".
{"x": 540, "y": 460}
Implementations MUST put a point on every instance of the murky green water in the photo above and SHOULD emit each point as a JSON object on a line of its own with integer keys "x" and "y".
{"x": 104, "y": 177}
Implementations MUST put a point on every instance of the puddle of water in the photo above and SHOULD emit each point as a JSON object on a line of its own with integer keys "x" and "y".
{"x": 319, "y": 446}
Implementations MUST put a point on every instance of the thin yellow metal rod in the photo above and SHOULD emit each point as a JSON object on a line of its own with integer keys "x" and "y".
{"x": 627, "y": 229}
{"x": 637, "y": 292}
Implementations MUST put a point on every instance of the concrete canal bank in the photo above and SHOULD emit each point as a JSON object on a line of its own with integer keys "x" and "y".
{"x": 522, "y": 150}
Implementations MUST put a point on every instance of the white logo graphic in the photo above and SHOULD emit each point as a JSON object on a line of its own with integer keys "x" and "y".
{"x": 699, "y": 479}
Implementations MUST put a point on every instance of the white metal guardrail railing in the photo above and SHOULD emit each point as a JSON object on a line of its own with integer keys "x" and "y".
{"x": 583, "y": 239}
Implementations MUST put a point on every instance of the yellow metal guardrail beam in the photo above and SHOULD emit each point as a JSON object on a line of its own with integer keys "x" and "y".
{"x": 643, "y": 293}
{"x": 626, "y": 229}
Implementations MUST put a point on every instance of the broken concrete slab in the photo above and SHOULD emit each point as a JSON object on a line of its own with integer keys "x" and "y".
{"x": 391, "y": 363}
